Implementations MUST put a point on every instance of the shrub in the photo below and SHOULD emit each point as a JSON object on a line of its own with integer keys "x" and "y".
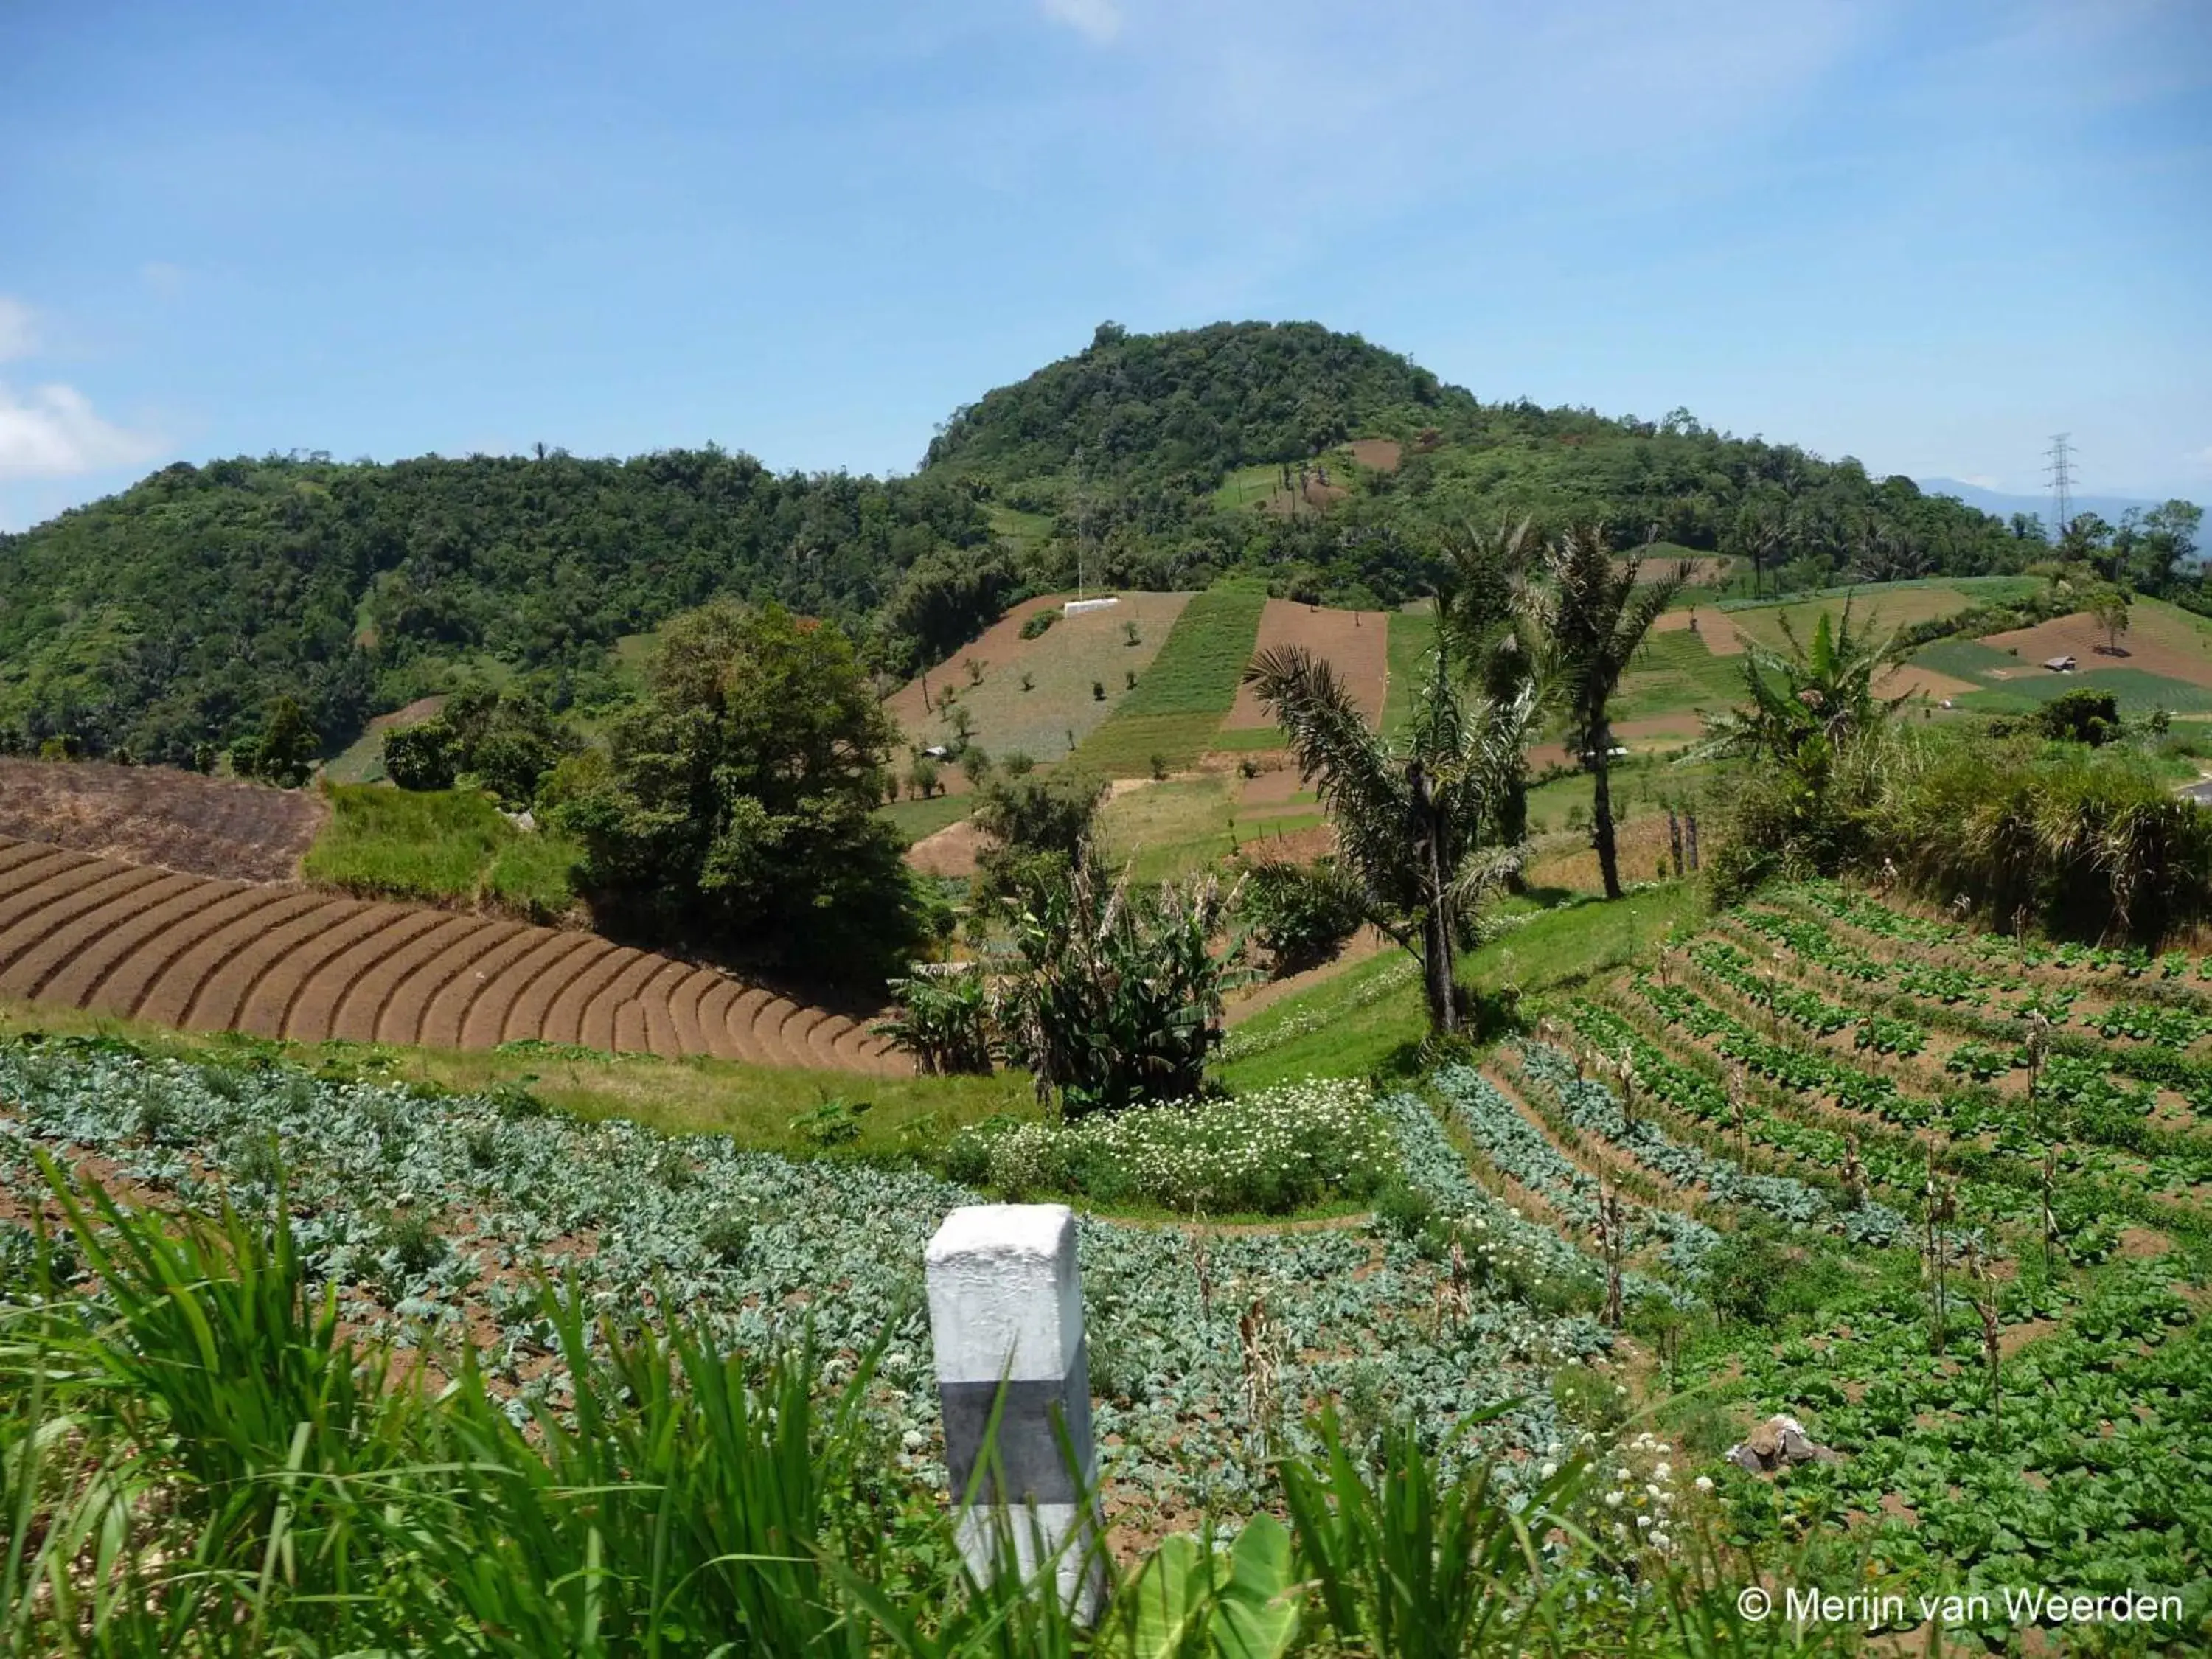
{"x": 422, "y": 756}
{"x": 1299, "y": 916}
{"x": 942, "y": 1019}
{"x": 1742, "y": 1275}
{"x": 1115, "y": 997}
{"x": 1037, "y": 625}
{"x": 2083, "y": 716}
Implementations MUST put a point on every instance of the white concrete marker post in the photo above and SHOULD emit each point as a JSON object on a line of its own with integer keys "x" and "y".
{"x": 1006, "y": 1306}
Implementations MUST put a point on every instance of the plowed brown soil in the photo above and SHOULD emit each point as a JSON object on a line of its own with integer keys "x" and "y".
{"x": 1356, "y": 643}
{"x": 205, "y": 954}
{"x": 157, "y": 815}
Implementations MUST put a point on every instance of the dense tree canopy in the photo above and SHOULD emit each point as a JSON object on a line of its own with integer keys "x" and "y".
{"x": 734, "y": 808}
{"x": 175, "y": 611}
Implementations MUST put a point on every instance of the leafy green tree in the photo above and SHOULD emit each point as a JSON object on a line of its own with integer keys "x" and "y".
{"x": 2108, "y": 603}
{"x": 1410, "y": 815}
{"x": 1033, "y": 821}
{"x": 1809, "y": 713}
{"x": 2082, "y": 716}
{"x": 422, "y": 756}
{"x": 1477, "y": 617}
{"x": 1587, "y": 619}
{"x": 285, "y": 750}
{"x": 736, "y": 812}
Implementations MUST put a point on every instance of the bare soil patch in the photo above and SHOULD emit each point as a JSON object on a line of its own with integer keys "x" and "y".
{"x": 951, "y": 852}
{"x": 1909, "y": 680}
{"x": 1567, "y": 859}
{"x": 1356, "y": 643}
{"x": 1715, "y": 627}
{"x": 2156, "y": 643}
{"x": 1362, "y": 945}
{"x": 1377, "y": 454}
{"x": 1269, "y": 788}
{"x": 158, "y": 815}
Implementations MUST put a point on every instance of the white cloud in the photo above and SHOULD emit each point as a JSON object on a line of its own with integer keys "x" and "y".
{"x": 1097, "y": 21}
{"x": 53, "y": 432}
{"x": 18, "y": 335}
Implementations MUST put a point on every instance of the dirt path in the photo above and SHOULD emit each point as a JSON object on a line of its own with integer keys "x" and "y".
{"x": 1365, "y": 943}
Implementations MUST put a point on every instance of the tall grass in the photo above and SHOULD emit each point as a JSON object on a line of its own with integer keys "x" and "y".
{"x": 446, "y": 846}
{"x": 198, "y": 1459}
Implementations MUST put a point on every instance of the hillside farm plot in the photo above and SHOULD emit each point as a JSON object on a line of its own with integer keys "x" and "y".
{"x": 1677, "y": 673}
{"x": 310, "y": 965}
{"x": 1169, "y": 720}
{"x": 1075, "y": 674}
{"x": 157, "y": 815}
{"x": 1883, "y": 605}
{"x": 362, "y": 761}
{"x": 2160, "y": 641}
{"x": 1412, "y": 646}
{"x": 1355, "y": 643}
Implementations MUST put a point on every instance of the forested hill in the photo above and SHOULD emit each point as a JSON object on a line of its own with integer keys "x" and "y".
{"x": 170, "y": 616}
{"x": 1200, "y": 402}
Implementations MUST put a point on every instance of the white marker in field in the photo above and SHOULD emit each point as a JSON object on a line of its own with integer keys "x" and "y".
{"x": 1006, "y": 1306}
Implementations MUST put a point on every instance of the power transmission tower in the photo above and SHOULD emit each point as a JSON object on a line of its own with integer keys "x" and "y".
{"x": 2060, "y": 471}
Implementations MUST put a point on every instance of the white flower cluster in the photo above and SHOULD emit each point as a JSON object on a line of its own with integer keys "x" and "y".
{"x": 1270, "y": 1151}
{"x": 1637, "y": 1492}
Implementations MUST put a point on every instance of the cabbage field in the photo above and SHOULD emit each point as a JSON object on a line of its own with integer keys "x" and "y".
{"x": 435, "y": 1218}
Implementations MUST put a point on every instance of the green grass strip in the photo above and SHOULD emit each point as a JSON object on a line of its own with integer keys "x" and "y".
{"x": 1167, "y": 722}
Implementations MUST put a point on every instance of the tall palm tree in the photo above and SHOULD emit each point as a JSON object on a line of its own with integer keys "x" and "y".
{"x": 1410, "y": 815}
{"x": 1587, "y": 618}
{"x": 1477, "y": 619}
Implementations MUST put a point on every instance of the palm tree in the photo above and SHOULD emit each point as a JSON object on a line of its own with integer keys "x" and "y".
{"x": 1410, "y": 815}
{"x": 1823, "y": 689}
{"x": 1587, "y": 620}
{"x": 1477, "y": 620}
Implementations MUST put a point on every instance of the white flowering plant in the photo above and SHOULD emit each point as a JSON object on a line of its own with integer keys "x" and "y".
{"x": 1268, "y": 1153}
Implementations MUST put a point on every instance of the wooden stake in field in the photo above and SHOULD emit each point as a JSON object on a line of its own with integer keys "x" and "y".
{"x": 1941, "y": 1204}
{"x": 1985, "y": 1304}
{"x": 2049, "y": 1215}
{"x": 1613, "y": 1241}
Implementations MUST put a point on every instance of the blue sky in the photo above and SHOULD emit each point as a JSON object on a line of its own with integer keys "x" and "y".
{"x": 1926, "y": 235}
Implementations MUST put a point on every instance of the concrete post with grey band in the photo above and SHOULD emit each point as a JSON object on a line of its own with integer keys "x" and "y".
{"x": 1005, "y": 1307}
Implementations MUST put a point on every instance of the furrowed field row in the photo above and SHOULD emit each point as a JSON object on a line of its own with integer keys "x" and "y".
{"x": 281, "y": 962}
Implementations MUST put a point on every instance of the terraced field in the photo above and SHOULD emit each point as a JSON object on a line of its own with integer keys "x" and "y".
{"x": 295, "y": 963}
{"x": 1980, "y": 1172}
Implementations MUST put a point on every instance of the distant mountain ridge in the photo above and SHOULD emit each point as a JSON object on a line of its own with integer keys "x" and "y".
{"x": 2107, "y": 508}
